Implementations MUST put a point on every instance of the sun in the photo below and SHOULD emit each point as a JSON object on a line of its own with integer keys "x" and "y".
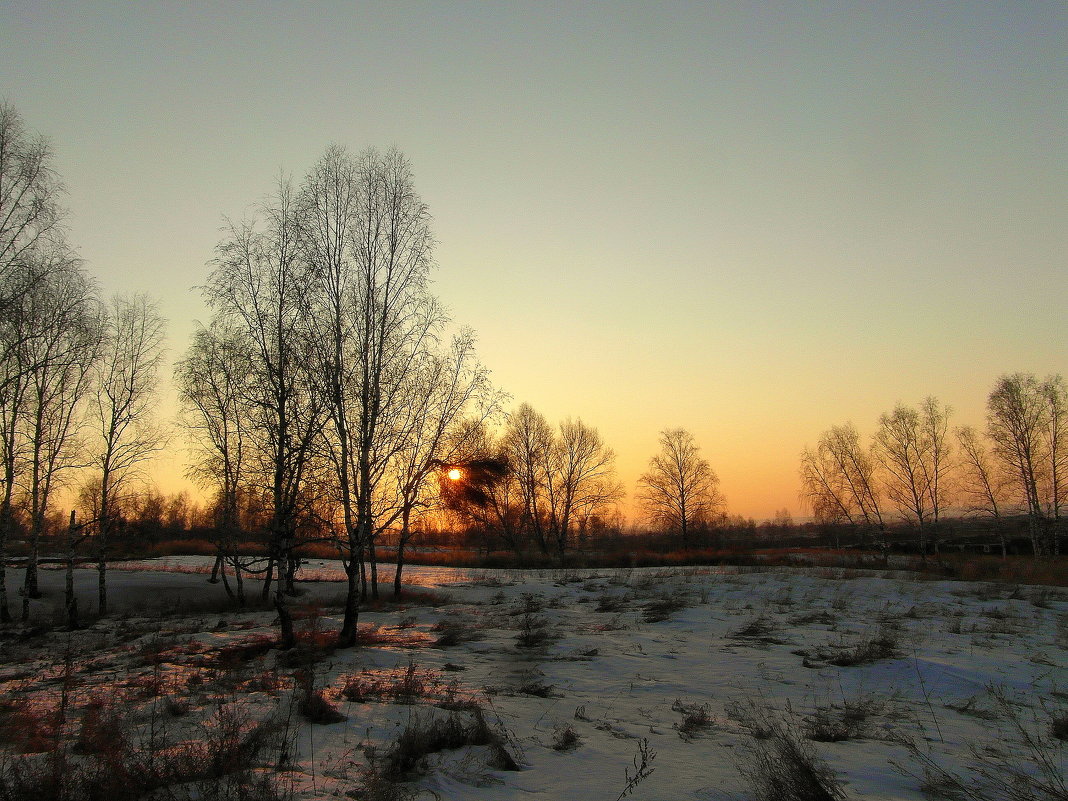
{"x": 455, "y": 474}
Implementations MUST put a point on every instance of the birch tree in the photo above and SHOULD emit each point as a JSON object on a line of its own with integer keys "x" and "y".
{"x": 259, "y": 288}
{"x": 130, "y": 357}
{"x": 367, "y": 241}
{"x": 213, "y": 388}
{"x": 1017, "y": 421}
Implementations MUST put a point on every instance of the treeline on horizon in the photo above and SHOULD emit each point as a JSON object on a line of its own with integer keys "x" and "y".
{"x": 328, "y": 402}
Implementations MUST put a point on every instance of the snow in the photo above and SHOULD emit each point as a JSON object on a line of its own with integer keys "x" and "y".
{"x": 745, "y": 643}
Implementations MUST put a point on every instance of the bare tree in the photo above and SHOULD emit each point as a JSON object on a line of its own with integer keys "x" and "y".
{"x": 131, "y": 354}
{"x": 30, "y": 213}
{"x": 436, "y": 432}
{"x": 31, "y": 245}
{"x": 213, "y": 387}
{"x": 586, "y": 481}
{"x": 57, "y": 357}
{"x": 259, "y": 288}
{"x": 838, "y": 481}
{"x": 486, "y": 495}
{"x": 528, "y": 446}
{"x": 1055, "y": 394}
{"x": 984, "y": 482}
{"x": 1017, "y": 424}
{"x": 680, "y": 490}
{"x": 365, "y": 234}
{"x": 911, "y": 446}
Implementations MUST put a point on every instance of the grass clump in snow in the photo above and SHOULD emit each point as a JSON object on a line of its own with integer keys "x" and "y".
{"x": 783, "y": 767}
{"x": 453, "y": 631}
{"x": 884, "y": 644}
{"x": 696, "y": 718}
{"x": 411, "y": 686}
{"x": 429, "y": 734}
{"x": 533, "y": 629}
{"x": 566, "y": 739}
{"x": 849, "y": 722}
{"x": 759, "y": 629}
{"x": 662, "y": 608}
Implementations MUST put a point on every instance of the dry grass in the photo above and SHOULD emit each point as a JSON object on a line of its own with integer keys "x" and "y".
{"x": 781, "y": 766}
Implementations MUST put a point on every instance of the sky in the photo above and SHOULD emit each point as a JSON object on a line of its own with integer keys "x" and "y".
{"x": 752, "y": 221}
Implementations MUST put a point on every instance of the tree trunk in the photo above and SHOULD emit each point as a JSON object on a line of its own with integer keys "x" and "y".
{"x": 221, "y": 562}
{"x": 266, "y": 592}
{"x": 5, "y": 528}
{"x": 373, "y": 559}
{"x": 71, "y": 602}
{"x": 346, "y": 638}
{"x": 239, "y": 580}
{"x": 404, "y": 534}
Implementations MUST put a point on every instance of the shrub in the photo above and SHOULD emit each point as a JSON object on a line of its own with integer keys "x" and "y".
{"x": 883, "y": 645}
{"x": 759, "y": 628}
{"x": 453, "y": 631}
{"x": 221, "y": 765}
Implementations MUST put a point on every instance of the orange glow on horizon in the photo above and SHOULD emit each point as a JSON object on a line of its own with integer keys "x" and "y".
{"x": 455, "y": 474}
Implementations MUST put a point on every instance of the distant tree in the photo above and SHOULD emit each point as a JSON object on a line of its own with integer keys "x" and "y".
{"x": 911, "y": 447}
{"x": 585, "y": 483}
{"x": 838, "y": 481}
{"x": 127, "y": 432}
{"x": 1018, "y": 425}
{"x": 528, "y": 448}
{"x": 680, "y": 490}
{"x": 983, "y": 481}
{"x": 444, "y": 387}
{"x": 934, "y": 426}
{"x": 1055, "y": 393}
{"x": 487, "y": 498}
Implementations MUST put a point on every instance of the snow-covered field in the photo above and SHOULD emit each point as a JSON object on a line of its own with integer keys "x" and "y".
{"x": 580, "y": 673}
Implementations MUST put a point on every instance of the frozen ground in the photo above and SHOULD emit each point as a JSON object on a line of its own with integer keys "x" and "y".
{"x": 578, "y": 672}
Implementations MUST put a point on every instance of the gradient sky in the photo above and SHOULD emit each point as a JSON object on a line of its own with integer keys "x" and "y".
{"x": 751, "y": 221}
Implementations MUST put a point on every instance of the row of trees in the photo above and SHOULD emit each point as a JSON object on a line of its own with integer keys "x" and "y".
{"x": 917, "y": 467}
{"x": 539, "y": 487}
{"x": 77, "y": 374}
{"x": 324, "y": 392}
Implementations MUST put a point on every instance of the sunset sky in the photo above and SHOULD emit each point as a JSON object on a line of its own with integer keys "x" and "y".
{"x": 750, "y": 221}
